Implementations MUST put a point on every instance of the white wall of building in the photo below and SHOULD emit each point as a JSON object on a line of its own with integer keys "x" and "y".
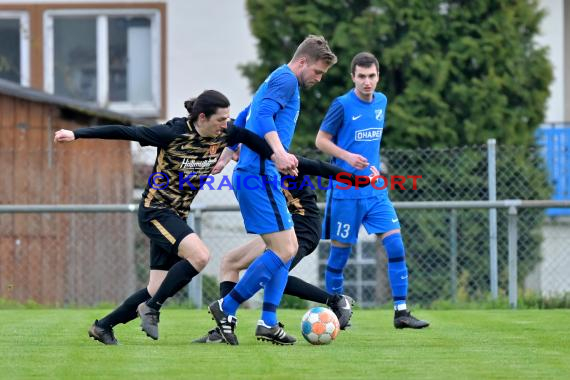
{"x": 206, "y": 42}
{"x": 550, "y": 276}
{"x": 552, "y": 36}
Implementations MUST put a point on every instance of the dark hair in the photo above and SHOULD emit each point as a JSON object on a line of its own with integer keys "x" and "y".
{"x": 315, "y": 48}
{"x": 207, "y": 103}
{"x": 364, "y": 59}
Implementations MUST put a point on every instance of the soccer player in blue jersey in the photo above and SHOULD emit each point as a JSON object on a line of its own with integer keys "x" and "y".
{"x": 273, "y": 114}
{"x": 351, "y": 132}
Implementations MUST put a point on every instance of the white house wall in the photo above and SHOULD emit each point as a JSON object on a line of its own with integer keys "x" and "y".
{"x": 207, "y": 40}
{"x": 552, "y": 36}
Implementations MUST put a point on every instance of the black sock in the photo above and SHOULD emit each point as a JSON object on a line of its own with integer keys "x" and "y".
{"x": 127, "y": 311}
{"x": 302, "y": 289}
{"x": 177, "y": 277}
{"x": 333, "y": 299}
{"x": 401, "y": 313}
{"x": 226, "y": 287}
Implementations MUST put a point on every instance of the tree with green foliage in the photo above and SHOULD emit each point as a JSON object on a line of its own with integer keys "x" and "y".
{"x": 455, "y": 72}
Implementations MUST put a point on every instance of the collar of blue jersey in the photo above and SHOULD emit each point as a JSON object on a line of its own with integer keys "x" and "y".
{"x": 353, "y": 93}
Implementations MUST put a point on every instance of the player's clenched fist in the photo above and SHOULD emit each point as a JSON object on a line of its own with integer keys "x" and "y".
{"x": 64, "y": 135}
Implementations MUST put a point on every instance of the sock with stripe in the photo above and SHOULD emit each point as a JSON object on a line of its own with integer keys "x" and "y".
{"x": 273, "y": 293}
{"x": 177, "y": 277}
{"x": 260, "y": 271}
{"x": 334, "y": 278}
{"x": 397, "y": 270}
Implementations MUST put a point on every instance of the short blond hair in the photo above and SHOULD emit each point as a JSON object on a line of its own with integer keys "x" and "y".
{"x": 315, "y": 48}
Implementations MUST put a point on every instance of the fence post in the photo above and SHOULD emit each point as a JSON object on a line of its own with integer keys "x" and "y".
{"x": 195, "y": 286}
{"x": 512, "y": 239}
{"x": 492, "y": 187}
{"x": 453, "y": 258}
{"x": 358, "y": 267}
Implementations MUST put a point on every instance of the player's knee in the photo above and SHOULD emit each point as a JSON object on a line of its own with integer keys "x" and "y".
{"x": 338, "y": 244}
{"x": 152, "y": 288}
{"x": 199, "y": 258}
{"x": 394, "y": 246}
{"x": 227, "y": 264}
{"x": 195, "y": 251}
{"x": 292, "y": 248}
{"x": 287, "y": 251}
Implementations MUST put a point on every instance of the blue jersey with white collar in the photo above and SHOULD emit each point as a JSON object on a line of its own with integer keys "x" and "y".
{"x": 282, "y": 87}
{"x": 356, "y": 126}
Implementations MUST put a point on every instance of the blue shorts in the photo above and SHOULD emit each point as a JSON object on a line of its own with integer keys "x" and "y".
{"x": 343, "y": 218}
{"x": 262, "y": 203}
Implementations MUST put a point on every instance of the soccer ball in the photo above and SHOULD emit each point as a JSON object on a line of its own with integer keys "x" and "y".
{"x": 319, "y": 326}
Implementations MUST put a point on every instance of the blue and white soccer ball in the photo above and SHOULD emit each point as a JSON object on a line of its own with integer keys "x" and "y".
{"x": 319, "y": 326}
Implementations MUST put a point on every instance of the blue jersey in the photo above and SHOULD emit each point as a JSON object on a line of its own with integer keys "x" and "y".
{"x": 356, "y": 126}
{"x": 281, "y": 87}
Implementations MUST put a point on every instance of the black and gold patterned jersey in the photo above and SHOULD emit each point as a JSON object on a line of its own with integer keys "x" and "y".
{"x": 300, "y": 200}
{"x": 184, "y": 158}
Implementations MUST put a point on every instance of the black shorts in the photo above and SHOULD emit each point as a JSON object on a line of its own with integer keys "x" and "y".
{"x": 166, "y": 230}
{"x": 308, "y": 231}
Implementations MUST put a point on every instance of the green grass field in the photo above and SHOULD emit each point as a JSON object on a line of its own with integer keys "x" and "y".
{"x": 489, "y": 344}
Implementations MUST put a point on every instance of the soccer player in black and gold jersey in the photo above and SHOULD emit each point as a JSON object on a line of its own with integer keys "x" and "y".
{"x": 188, "y": 149}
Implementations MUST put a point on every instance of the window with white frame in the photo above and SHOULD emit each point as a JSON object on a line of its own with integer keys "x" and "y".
{"x": 109, "y": 57}
{"x": 14, "y": 47}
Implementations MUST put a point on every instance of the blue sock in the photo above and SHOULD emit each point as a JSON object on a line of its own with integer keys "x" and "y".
{"x": 397, "y": 270}
{"x": 273, "y": 294}
{"x": 334, "y": 279}
{"x": 256, "y": 276}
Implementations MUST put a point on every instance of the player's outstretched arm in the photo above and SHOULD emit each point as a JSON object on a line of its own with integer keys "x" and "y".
{"x": 308, "y": 166}
{"x": 159, "y": 135}
{"x": 236, "y": 135}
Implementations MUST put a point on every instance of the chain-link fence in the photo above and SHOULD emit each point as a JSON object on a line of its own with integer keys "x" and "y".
{"x": 88, "y": 258}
